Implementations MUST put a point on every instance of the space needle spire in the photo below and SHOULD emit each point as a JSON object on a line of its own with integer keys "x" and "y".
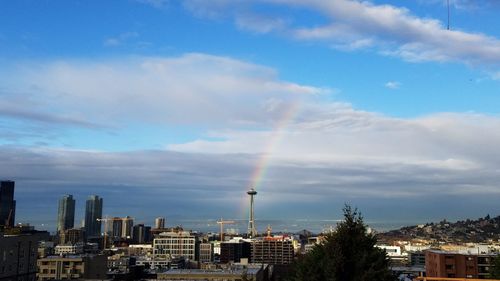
{"x": 252, "y": 231}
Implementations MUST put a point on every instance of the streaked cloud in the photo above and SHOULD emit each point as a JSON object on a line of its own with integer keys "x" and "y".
{"x": 389, "y": 30}
{"x": 393, "y": 85}
{"x": 120, "y": 39}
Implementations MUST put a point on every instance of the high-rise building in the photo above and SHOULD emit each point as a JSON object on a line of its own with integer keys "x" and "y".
{"x": 160, "y": 222}
{"x": 66, "y": 213}
{"x": 93, "y": 211}
{"x": 139, "y": 233}
{"x": 7, "y": 203}
{"x": 127, "y": 224}
{"x": 116, "y": 230}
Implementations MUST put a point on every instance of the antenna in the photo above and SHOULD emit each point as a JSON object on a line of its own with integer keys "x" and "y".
{"x": 448, "y": 2}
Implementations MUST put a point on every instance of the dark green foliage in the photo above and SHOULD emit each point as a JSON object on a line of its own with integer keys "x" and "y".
{"x": 495, "y": 268}
{"x": 349, "y": 254}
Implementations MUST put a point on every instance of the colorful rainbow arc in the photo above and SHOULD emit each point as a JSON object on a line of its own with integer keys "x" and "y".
{"x": 262, "y": 165}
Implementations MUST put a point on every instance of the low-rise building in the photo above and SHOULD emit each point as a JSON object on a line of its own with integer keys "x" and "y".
{"x": 457, "y": 265}
{"x": 72, "y": 267}
{"x": 71, "y": 249}
{"x": 272, "y": 250}
{"x": 253, "y": 274}
{"x": 175, "y": 244}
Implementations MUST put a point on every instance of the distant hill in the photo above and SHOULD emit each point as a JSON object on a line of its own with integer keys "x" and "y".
{"x": 479, "y": 230}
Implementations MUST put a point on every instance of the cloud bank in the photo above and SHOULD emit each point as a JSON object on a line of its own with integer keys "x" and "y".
{"x": 325, "y": 153}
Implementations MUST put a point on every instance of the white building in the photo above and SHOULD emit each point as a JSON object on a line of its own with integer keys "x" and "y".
{"x": 74, "y": 249}
{"x": 174, "y": 244}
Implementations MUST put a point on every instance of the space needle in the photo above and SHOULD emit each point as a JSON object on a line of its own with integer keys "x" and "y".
{"x": 252, "y": 232}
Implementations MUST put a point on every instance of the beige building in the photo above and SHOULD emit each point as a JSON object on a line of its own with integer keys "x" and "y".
{"x": 72, "y": 267}
{"x": 174, "y": 244}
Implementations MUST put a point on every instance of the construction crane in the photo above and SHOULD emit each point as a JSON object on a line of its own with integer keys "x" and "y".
{"x": 222, "y": 223}
{"x": 106, "y": 220}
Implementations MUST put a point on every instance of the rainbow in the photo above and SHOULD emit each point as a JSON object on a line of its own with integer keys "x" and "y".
{"x": 262, "y": 164}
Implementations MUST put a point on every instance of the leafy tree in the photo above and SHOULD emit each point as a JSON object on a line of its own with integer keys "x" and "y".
{"x": 495, "y": 268}
{"x": 348, "y": 254}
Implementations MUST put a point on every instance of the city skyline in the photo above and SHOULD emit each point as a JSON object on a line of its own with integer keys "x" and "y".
{"x": 190, "y": 103}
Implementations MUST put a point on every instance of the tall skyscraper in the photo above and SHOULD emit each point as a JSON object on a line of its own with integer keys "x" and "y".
{"x": 7, "y": 203}
{"x": 127, "y": 224}
{"x": 160, "y": 222}
{"x": 66, "y": 213}
{"x": 93, "y": 211}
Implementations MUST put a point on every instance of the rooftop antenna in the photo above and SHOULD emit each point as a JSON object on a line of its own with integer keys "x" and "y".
{"x": 448, "y": 2}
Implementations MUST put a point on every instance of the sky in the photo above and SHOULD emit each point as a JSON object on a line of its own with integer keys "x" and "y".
{"x": 176, "y": 108}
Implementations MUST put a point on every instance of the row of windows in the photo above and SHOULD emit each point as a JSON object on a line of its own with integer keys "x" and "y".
{"x": 173, "y": 241}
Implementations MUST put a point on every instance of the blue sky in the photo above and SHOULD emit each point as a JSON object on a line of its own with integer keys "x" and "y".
{"x": 174, "y": 99}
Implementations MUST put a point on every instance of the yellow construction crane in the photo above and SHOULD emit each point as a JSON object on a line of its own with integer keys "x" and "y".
{"x": 106, "y": 220}
{"x": 222, "y": 223}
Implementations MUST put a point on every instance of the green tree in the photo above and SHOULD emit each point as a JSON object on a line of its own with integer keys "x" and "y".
{"x": 495, "y": 268}
{"x": 348, "y": 254}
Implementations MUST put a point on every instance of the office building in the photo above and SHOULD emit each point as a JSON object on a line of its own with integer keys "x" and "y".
{"x": 7, "y": 204}
{"x": 93, "y": 211}
{"x": 272, "y": 250}
{"x": 160, "y": 223}
{"x": 139, "y": 234}
{"x": 175, "y": 244}
{"x": 457, "y": 265}
{"x": 71, "y": 236}
{"x": 127, "y": 225}
{"x": 234, "y": 250}
{"x": 206, "y": 252}
{"x": 66, "y": 213}
{"x": 116, "y": 230}
{"x": 72, "y": 267}
{"x": 18, "y": 254}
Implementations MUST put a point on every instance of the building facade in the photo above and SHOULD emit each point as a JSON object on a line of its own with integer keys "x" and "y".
{"x": 272, "y": 250}
{"x": 160, "y": 223}
{"x": 93, "y": 211}
{"x": 7, "y": 204}
{"x": 175, "y": 244}
{"x": 72, "y": 267}
{"x": 456, "y": 265}
{"x": 71, "y": 236}
{"x": 234, "y": 250}
{"x": 206, "y": 252}
{"x": 66, "y": 213}
{"x": 127, "y": 225}
{"x": 18, "y": 254}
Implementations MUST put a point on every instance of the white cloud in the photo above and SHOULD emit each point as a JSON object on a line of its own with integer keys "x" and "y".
{"x": 120, "y": 39}
{"x": 155, "y": 3}
{"x": 191, "y": 89}
{"x": 393, "y": 85}
{"x": 260, "y": 24}
{"x": 391, "y": 30}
